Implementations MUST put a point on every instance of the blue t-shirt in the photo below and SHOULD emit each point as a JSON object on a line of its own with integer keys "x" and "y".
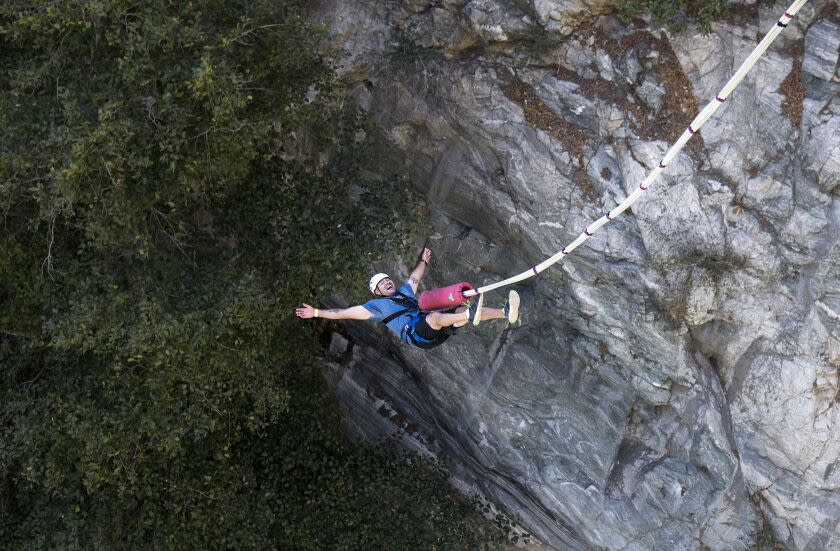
{"x": 381, "y": 308}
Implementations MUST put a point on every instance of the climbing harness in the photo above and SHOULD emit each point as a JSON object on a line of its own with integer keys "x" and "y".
{"x": 409, "y": 329}
{"x": 692, "y": 129}
{"x": 403, "y": 300}
{"x": 441, "y": 335}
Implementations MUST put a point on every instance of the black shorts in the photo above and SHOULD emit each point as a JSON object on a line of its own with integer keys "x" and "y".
{"x": 421, "y": 334}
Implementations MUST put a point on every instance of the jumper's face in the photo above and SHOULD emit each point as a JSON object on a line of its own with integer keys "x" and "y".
{"x": 386, "y": 287}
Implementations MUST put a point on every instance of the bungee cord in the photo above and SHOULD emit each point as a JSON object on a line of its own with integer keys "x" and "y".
{"x": 692, "y": 129}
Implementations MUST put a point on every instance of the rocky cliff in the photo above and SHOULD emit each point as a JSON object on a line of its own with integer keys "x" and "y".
{"x": 674, "y": 383}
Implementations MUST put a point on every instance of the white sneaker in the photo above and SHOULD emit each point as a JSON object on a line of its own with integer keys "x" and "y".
{"x": 511, "y": 309}
{"x": 475, "y": 310}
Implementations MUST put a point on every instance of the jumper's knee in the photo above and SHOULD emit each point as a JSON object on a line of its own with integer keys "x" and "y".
{"x": 433, "y": 319}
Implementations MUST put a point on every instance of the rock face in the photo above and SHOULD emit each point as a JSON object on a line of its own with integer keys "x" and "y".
{"x": 674, "y": 384}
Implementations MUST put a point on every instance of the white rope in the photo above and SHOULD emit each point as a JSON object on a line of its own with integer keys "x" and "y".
{"x": 692, "y": 129}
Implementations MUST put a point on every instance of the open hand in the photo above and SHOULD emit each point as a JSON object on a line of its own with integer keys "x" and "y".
{"x": 306, "y": 312}
{"x": 427, "y": 255}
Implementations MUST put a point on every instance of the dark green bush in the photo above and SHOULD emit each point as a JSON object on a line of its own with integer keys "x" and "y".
{"x": 676, "y": 14}
{"x": 174, "y": 178}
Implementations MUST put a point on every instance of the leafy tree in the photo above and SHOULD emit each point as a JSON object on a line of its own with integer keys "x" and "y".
{"x": 174, "y": 176}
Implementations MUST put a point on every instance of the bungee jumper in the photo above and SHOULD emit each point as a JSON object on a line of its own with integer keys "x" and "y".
{"x": 429, "y": 321}
{"x": 420, "y": 323}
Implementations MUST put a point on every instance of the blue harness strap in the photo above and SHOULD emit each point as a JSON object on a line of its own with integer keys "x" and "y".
{"x": 409, "y": 332}
{"x": 420, "y": 342}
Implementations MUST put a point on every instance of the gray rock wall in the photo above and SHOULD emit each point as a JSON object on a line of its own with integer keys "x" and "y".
{"x": 674, "y": 382}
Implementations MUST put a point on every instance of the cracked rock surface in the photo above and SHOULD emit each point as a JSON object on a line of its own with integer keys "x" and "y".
{"x": 674, "y": 383}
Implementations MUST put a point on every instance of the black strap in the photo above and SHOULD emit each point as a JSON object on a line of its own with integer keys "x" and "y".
{"x": 402, "y": 300}
{"x": 397, "y": 314}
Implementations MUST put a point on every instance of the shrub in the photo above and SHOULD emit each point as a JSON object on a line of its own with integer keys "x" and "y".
{"x": 174, "y": 178}
{"x": 676, "y": 14}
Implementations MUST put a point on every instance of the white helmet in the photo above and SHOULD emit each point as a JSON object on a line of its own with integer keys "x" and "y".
{"x": 374, "y": 281}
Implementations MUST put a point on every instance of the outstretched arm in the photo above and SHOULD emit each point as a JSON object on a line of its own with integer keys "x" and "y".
{"x": 352, "y": 313}
{"x": 419, "y": 270}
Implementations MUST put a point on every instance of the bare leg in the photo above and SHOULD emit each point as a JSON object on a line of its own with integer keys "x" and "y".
{"x": 492, "y": 314}
{"x": 459, "y": 310}
{"x": 439, "y": 320}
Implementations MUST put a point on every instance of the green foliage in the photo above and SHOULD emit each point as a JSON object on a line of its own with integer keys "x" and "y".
{"x": 174, "y": 178}
{"x": 676, "y": 14}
